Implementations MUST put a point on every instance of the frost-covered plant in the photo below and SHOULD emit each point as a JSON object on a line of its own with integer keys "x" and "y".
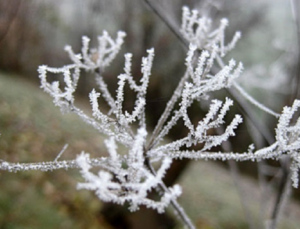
{"x": 128, "y": 175}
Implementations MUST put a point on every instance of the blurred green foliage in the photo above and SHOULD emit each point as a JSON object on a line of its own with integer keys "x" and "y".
{"x": 32, "y": 129}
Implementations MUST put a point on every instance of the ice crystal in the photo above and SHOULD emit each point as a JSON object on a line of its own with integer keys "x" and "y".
{"x": 129, "y": 176}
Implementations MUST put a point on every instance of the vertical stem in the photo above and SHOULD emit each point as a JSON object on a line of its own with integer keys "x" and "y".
{"x": 167, "y": 111}
{"x": 176, "y": 206}
{"x": 169, "y": 23}
{"x": 236, "y": 179}
{"x": 282, "y": 194}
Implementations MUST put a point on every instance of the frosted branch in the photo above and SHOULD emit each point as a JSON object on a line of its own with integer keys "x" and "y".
{"x": 199, "y": 32}
{"x": 253, "y": 101}
{"x": 133, "y": 183}
{"x": 126, "y": 174}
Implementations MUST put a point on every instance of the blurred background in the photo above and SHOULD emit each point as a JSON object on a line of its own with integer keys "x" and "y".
{"x": 216, "y": 195}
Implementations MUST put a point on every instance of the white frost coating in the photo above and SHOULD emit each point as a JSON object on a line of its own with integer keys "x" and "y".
{"x": 127, "y": 175}
{"x": 131, "y": 184}
{"x": 198, "y": 31}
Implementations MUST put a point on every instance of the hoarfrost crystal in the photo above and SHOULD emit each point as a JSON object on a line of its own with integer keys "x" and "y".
{"x": 128, "y": 175}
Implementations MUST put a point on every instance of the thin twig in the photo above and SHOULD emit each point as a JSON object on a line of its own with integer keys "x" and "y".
{"x": 242, "y": 104}
{"x": 282, "y": 193}
{"x": 295, "y": 11}
{"x": 167, "y": 111}
{"x": 61, "y": 152}
{"x": 47, "y": 165}
{"x": 13, "y": 17}
{"x": 176, "y": 206}
{"x": 170, "y": 24}
{"x": 236, "y": 179}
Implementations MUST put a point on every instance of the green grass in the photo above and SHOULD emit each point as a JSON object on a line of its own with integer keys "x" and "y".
{"x": 33, "y": 129}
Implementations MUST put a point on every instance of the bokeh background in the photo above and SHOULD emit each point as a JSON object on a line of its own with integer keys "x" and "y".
{"x": 216, "y": 195}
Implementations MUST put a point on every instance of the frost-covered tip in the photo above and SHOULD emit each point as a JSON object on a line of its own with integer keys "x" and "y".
{"x": 199, "y": 31}
{"x": 189, "y": 60}
{"x": 95, "y": 106}
{"x": 208, "y": 122}
{"x": 120, "y": 93}
{"x": 120, "y": 37}
{"x": 42, "y": 70}
{"x": 89, "y": 59}
{"x": 85, "y": 41}
{"x": 94, "y": 100}
{"x": 190, "y": 54}
{"x": 200, "y": 66}
{"x": 108, "y": 48}
{"x": 227, "y": 75}
{"x": 76, "y": 58}
{"x": 224, "y": 22}
{"x": 233, "y": 42}
{"x": 127, "y": 68}
{"x": 147, "y": 62}
{"x": 228, "y": 103}
{"x": 185, "y": 13}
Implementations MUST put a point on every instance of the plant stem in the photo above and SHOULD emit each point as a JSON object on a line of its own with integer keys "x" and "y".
{"x": 167, "y": 111}
{"x": 176, "y": 206}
